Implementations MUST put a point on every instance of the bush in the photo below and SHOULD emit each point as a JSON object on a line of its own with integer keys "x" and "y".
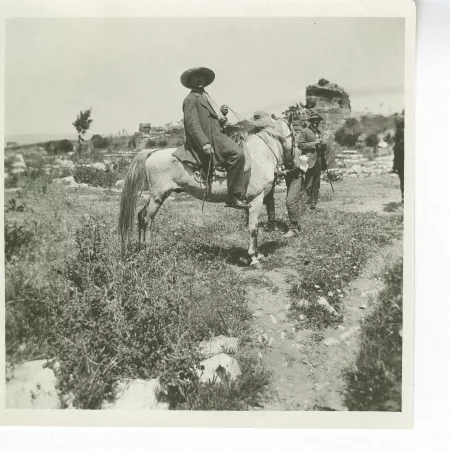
{"x": 348, "y": 134}
{"x": 96, "y": 177}
{"x": 328, "y": 264}
{"x": 151, "y": 144}
{"x": 372, "y": 140}
{"x": 108, "y": 313}
{"x": 98, "y": 142}
{"x": 17, "y": 237}
{"x": 58, "y": 147}
{"x": 375, "y": 382}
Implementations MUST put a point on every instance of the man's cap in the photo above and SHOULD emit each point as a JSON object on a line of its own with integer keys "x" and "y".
{"x": 315, "y": 117}
{"x": 186, "y": 76}
{"x": 260, "y": 119}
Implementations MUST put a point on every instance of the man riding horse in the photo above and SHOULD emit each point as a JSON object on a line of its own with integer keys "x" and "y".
{"x": 203, "y": 128}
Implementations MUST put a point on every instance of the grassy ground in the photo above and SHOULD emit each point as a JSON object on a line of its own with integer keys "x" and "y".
{"x": 374, "y": 383}
{"x": 107, "y": 313}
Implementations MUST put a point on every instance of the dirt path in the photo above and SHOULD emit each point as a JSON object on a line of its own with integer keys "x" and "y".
{"x": 307, "y": 367}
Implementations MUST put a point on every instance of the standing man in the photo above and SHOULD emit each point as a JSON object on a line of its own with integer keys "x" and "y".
{"x": 294, "y": 181}
{"x": 399, "y": 150}
{"x": 202, "y": 125}
{"x": 310, "y": 143}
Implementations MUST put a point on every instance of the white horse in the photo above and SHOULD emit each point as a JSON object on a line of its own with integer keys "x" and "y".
{"x": 164, "y": 173}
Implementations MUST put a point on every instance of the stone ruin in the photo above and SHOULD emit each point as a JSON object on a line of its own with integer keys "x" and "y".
{"x": 331, "y": 102}
{"x": 141, "y": 137}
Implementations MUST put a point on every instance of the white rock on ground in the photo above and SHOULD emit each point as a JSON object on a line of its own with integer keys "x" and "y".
{"x": 220, "y": 368}
{"x": 18, "y": 166}
{"x": 119, "y": 184}
{"x": 137, "y": 394}
{"x": 346, "y": 335}
{"x": 67, "y": 164}
{"x": 218, "y": 345}
{"x": 330, "y": 342}
{"x": 65, "y": 181}
{"x": 99, "y": 166}
{"x": 31, "y": 386}
{"x": 323, "y": 302}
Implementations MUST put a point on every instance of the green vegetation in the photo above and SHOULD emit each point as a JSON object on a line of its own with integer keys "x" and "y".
{"x": 369, "y": 127}
{"x": 108, "y": 312}
{"x": 330, "y": 252}
{"x": 374, "y": 383}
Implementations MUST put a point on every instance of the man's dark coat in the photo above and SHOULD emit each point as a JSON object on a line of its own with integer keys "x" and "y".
{"x": 202, "y": 126}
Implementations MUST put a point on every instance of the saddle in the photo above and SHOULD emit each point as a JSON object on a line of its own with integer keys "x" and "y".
{"x": 200, "y": 163}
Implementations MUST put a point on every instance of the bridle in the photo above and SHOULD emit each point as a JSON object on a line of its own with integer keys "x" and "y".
{"x": 291, "y": 135}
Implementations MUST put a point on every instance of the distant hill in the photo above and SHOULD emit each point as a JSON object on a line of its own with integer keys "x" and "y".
{"x": 39, "y": 138}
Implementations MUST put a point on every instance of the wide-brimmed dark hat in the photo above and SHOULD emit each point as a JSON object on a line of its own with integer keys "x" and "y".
{"x": 186, "y": 76}
{"x": 260, "y": 119}
{"x": 315, "y": 117}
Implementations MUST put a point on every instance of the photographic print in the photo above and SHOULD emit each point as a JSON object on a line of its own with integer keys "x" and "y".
{"x": 209, "y": 214}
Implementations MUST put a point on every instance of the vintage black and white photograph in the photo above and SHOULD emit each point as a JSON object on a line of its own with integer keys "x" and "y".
{"x": 206, "y": 214}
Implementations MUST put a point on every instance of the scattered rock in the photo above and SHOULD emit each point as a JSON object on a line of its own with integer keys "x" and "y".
{"x": 218, "y": 345}
{"x": 371, "y": 293}
{"x": 31, "y": 386}
{"x": 330, "y": 342}
{"x": 67, "y": 164}
{"x": 66, "y": 181}
{"x": 99, "y": 166}
{"x": 67, "y": 400}
{"x": 220, "y": 368}
{"x": 273, "y": 319}
{"x": 356, "y": 168}
{"x": 341, "y": 327}
{"x": 18, "y": 166}
{"x": 346, "y": 335}
{"x": 363, "y": 307}
{"x": 119, "y": 184}
{"x": 323, "y": 302}
{"x": 137, "y": 394}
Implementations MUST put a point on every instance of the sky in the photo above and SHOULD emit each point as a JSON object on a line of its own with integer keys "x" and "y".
{"x": 128, "y": 70}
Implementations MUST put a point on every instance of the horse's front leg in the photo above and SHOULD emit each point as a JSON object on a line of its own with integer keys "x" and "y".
{"x": 255, "y": 210}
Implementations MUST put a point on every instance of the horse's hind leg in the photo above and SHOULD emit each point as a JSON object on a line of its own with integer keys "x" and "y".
{"x": 147, "y": 215}
{"x": 255, "y": 210}
{"x": 269, "y": 202}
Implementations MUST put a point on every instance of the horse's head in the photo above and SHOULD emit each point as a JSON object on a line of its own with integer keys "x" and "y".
{"x": 285, "y": 135}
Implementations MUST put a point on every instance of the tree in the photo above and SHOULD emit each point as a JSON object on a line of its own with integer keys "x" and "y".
{"x": 82, "y": 124}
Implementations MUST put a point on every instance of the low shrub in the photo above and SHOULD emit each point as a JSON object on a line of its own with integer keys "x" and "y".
{"x": 17, "y": 237}
{"x": 374, "y": 383}
{"x": 348, "y": 134}
{"x": 99, "y": 142}
{"x": 58, "y": 147}
{"x": 109, "y": 313}
{"x": 151, "y": 143}
{"x": 328, "y": 264}
{"x": 372, "y": 140}
{"x": 96, "y": 177}
{"x": 246, "y": 391}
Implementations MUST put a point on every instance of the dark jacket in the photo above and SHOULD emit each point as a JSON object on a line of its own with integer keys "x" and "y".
{"x": 201, "y": 125}
{"x": 399, "y": 144}
{"x": 306, "y": 140}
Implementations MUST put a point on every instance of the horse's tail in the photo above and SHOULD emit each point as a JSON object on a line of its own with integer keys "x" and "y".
{"x": 133, "y": 183}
